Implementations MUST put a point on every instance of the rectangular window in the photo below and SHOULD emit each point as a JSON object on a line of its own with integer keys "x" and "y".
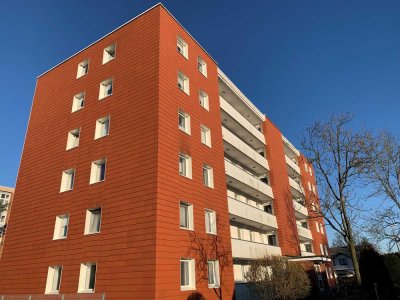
{"x": 313, "y": 189}
{"x": 205, "y": 136}
{"x": 61, "y": 227}
{"x": 73, "y": 139}
{"x": 202, "y": 66}
{"x": 308, "y": 247}
{"x": 185, "y": 215}
{"x": 93, "y": 220}
{"x": 184, "y": 121}
{"x": 208, "y": 177}
{"x": 272, "y": 240}
{"x": 183, "y": 82}
{"x": 109, "y": 54}
{"x": 102, "y": 127}
{"x": 317, "y": 226}
{"x": 78, "y": 102}
{"x": 203, "y": 99}
{"x": 213, "y": 273}
{"x": 309, "y": 186}
{"x": 106, "y": 88}
{"x": 343, "y": 261}
{"x": 187, "y": 274}
{"x": 322, "y": 228}
{"x": 83, "y": 69}
{"x": 182, "y": 47}
{"x": 53, "y": 280}
{"x": 98, "y": 171}
{"x": 211, "y": 221}
{"x": 87, "y": 278}
{"x": 67, "y": 180}
{"x": 310, "y": 169}
{"x": 185, "y": 165}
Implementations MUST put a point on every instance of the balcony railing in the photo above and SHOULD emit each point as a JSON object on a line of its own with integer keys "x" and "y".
{"x": 304, "y": 233}
{"x": 305, "y": 253}
{"x": 292, "y": 164}
{"x": 300, "y": 210}
{"x": 296, "y": 186}
{"x": 252, "y": 250}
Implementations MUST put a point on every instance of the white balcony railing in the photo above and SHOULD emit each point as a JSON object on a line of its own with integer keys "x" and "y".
{"x": 251, "y": 250}
{"x": 300, "y": 210}
{"x": 250, "y": 215}
{"x": 295, "y": 185}
{"x": 304, "y": 233}
{"x": 305, "y": 253}
{"x": 292, "y": 164}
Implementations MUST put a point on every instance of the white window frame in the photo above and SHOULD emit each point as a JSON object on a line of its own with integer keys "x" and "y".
{"x": 186, "y": 127}
{"x": 187, "y": 160}
{"x": 202, "y": 66}
{"x": 103, "y": 90}
{"x": 309, "y": 186}
{"x": 191, "y": 277}
{"x": 83, "y": 68}
{"x": 189, "y": 215}
{"x": 310, "y": 170}
{"x": 205, "y": 134}
{"x": 317, "y": 226}
{"x": 101, "y": 127}
{"x": 210, "y": 176}
{"x": 84, "y": 278}
{"x": 90, "y": 213}
{"x": 78, "y": 102}
{"x": 210, "y": 221}
{"x": 59, "y": 226}
{"x": 214, "y": 266}
{"x": 182, "y": 47}
{"x": 67, "y": 180}
{"x": 109, "y": 53}
{"x": 54, "y": 275}
{"x": 183, "y": 83}
{"x": 203, "y": 100}
{"x": 73, "y": 138}
{"x": 96, "y": 171}
{"x": 321, "y": 226}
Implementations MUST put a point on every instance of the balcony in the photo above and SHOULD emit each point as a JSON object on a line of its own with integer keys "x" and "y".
{"x": 249, "y": 215}
{"x": 292, "y": 165}
{"x": 304, "y": 233}
{"x": 251, "y": 250}
{"x": 247, "y": 183}
{"x": 243, "y": 153}
{"x": 297, "y": 190}
{"x": 305, "y": 253}
{"x": 301, "y": 211}
{"x": 238, "y": 124}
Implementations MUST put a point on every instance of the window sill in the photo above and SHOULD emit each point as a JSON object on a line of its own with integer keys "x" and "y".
{"x": 100, "y": 137}
{"x": 187, "y": 229}
{"x": 66, "y": 191}
{"x": 52, "y": 293}
{"x": 91, "y": 233}
{"x": 188, "y": 288}
{"x": 105, "y": 97}
{"x": 185, "y": 176}
{"x": 104, "y": 63}
{"x": 212, "y": 286}
{"x": 72, "y": 111}
{"x": 86, "y": 292}
{"x": 92, "y": 183}
{"x": 205, "y": 76}
{"x": 60, "y": 238}
{"x": 187, "y": 93}
{"x": 188, "y": 133}
{"x": 212, "y": 233}
{"x": 71, "y": 148}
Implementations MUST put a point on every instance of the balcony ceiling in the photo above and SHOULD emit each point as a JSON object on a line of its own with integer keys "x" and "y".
{"x": 251, "y": 223}
{"x": 236, "y": 184}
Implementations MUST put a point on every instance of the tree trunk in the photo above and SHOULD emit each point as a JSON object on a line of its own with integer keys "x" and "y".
{"x": 355, "y": 262}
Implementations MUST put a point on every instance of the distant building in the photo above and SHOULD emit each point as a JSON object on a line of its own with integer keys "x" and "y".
{"x": 342, "y": 262}
{"x": 6, "y": 195}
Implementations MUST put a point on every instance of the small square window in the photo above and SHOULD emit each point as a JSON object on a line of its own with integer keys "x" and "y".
{"x": 67, "y": 180}
{"x": 185, "y": 165}
{"x": 213, "y": 273}
{"x": 202, "y": 66}
{"x": 83, "y": 69}
{"x": 308, "y": 247}
{"x": 93, "y": 220}
{"x": 208, "y": 176}
{"x": 211, "y": 221}
{"x": 53, "y": 280}
{"x": 183, "y": 82}
{"x": 182, "y": 47}
{"x": 185, "y": 215}
{"x": 106, "y": 88}
{"x": 102, "y": 127}
{"x": 98, "y": 171}
{"x": 187, "y": 274}
{"x": 87, "y": 278}
{"x": 205, "y": 135}
{"x": 61, "y": 227}
{"x": 78, "y": 102}
{"x": 73, "y": 139}
{"x": 203, "y": 99}
{"x": 109, "y": 54}
{"x": 184, "y": 121}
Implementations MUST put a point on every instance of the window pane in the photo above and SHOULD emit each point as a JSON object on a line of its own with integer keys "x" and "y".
{"x": 92, "y": 277}
{"x": 205, "y": 176}
{"x": 102, "y": 171}
{"x": 95, "y": 220}
{"x": 184, "y": 216}
{"x": 211, "y": 272}
{"x": 184, "y": 273}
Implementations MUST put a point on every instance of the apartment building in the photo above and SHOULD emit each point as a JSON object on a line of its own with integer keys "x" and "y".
{"x": 152, "y": 176}
{"x": 6, "y": 196}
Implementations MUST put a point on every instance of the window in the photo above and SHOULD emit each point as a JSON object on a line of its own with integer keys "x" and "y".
{"x": 272, "y": 240}
{"x": 308, "y": 247}
{"x": 322, "y": 228}
{"x": 321, "y": 248}
{"x": 67, "y": 180}
{"x": 343, "y": 261}
{"x": 208, "y": 178}
{"x": 53, "y": 280}
{"x": 268, "y": 208}
{"x": 83, "y": 68}
{"x": 106, "y": 88}
{"x": 98, "y": 171}
{"x": 213, "y": 273}
{"x": 313, "y": 189}
{"x": 102, "y": 127}
{"x": 211, "y": 222}
{"x": 306, "y": 167}
{"x": 183, "y": 82}
{"x": 317, "y": 226}
{"x": 201, "y": 66}
{"x": 187, "y": 274}
{"x": 310, "y": 169}
{"x": 326, "y": 250}
{"x": 93, "y": 221}
{"x": 309, "y": 186}
{"x": 61, "y": 227}
{"x": 205, "y": 135}
{"x": 87, "y": 278}
{"x": 203, "y": 99}
{"x": 73, "y": 138}
{"x": 78, "y": 102}
{"x": 184, "y": 121}
{"x": 185, "y": 165}
{"x": 109, "y": 54}
{"x": 186, "y": 215}
{"x": 182, "y": 47}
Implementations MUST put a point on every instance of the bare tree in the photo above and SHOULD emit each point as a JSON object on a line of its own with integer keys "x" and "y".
{"x": 337, "y": 153}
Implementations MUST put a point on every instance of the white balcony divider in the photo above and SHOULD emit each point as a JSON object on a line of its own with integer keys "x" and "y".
{"x": 251, "y": 250}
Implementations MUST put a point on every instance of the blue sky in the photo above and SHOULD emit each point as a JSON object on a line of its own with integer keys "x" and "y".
{"x": 298, "y": 61}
